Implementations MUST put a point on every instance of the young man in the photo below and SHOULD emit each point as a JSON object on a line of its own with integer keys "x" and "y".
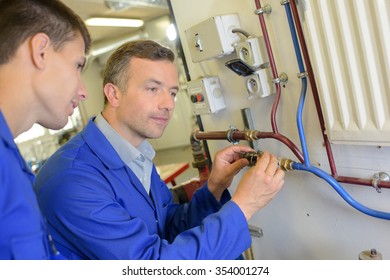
{"x": 42, "y": 51}
{"x": 103, "y": 197}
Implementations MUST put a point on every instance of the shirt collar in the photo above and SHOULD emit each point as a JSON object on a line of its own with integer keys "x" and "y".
{"x": 127, "y": 152}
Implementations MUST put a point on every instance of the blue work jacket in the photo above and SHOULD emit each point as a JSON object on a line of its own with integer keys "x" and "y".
{"x": 23, "y": 233}
{"x": 98, "y": 209}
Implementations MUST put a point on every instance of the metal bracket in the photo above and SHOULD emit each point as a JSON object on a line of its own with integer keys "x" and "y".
{"x": 267, "y": 9}
{"x": 255, "y": 231}
{"x": 229, "y": 135}
{"x": 282, "y": 79}
{"x": 379, "y": 177}
{"x": 302, "y": 75}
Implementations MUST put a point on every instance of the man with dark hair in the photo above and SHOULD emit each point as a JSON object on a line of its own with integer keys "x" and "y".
{"x": 101, "y": 192}
{"x": 43, "y": 45}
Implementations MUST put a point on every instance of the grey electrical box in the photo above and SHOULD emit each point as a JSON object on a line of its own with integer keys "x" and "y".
{"x": 213, "y": 37}
{"x": 206, "y": 95}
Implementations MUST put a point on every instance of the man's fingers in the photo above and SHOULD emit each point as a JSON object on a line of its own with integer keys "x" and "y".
{"x": 272, "y": 167}
{"x": 263, "y": 161}
{"x": 239, "y": 164}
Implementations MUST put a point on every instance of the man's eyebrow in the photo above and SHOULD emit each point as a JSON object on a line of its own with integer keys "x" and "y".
{"x": 175, "y": 87}
{"x": 83, "y": 62}
{"x": 160, "y": 83}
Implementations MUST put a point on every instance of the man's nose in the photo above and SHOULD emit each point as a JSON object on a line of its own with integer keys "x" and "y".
{"x": 82, "y": 91}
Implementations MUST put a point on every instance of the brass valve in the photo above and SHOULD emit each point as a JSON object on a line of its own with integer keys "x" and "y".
{"x": 283, "y": 163}
{"x": 252, "y": 157}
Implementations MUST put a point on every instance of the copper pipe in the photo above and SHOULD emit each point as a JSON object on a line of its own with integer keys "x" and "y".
{"x": 273, "y": 68}
{"x": 360, "y": 181}
{"x": 275, "y": 133}
{"x": 251, "y": 135}
{"x": 248, "y": 135}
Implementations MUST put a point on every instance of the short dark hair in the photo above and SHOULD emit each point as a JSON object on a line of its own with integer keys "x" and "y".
{"x": 116, "y": 69}
{"x": 21, "y": 19}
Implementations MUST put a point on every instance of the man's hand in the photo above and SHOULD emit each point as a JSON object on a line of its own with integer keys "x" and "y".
{"x": 227, "y": 163}
{"x": 259, "y": 185}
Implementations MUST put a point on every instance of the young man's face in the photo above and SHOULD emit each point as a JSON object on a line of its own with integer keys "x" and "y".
{"x": 61, "y": 88}
{"x": 147, "y": 105}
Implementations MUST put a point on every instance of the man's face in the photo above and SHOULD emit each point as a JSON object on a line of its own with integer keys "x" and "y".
{"x": 60, "y": 88}
{"x": 147, "y": 105}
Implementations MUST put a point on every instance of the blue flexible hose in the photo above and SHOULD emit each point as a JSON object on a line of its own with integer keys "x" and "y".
{"x": 332, "y": 181}
{"x": 304, "y": 86}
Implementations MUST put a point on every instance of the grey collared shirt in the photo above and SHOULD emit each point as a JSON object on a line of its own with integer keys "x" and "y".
{"x": 139, "y": 160}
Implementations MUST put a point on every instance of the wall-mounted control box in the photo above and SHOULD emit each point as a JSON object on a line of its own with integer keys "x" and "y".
{"x": 213, "y": 37}
{"x": 206, "y": 95}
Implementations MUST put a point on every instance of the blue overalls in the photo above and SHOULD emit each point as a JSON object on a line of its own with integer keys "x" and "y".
{"x": 23, "y": 233}
{"x": 98, "y": 209}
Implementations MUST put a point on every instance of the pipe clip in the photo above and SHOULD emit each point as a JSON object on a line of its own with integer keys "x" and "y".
{"x": 379, "y": 177}
{"x": 302, "y": 75}
{"x": 282, "y": 79}
{"x": 267, "y": 9}
{"x": 229, "y": 135}
{"x": 284, "y": 2}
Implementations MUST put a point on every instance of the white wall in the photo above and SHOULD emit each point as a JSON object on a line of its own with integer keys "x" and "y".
{"x": 307, "y": 219}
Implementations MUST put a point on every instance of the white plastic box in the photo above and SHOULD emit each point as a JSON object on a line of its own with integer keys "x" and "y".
{"x": 206, "y": 95}
{"x": 213, "y": 37}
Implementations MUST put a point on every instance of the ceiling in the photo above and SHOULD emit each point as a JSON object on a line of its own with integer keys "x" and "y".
{"x": 142, "y": 9}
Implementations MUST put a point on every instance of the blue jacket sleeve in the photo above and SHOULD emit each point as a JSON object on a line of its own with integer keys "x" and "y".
{"x": 94, "y": 216}
{"x": 189, "y": 215}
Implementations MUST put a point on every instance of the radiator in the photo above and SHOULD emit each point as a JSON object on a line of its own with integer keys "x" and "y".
{"x": 349, "y": 47}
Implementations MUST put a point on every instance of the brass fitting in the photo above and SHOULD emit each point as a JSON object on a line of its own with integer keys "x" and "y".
{"x": 251, "y": 135}
{"x": 284, "y": 163}
{"x": 252, "y": 157}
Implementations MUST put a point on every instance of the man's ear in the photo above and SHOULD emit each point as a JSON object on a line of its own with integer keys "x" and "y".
{"x": 40, "y": 44}
{"x": 112, "y": 94}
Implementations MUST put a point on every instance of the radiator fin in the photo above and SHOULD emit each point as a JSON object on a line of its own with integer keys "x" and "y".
{"x": 349, "y": 45}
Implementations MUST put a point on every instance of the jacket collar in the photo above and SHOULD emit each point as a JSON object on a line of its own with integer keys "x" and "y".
{"x": 6, "y": 135}
{"x": 102, "y": 148}
{"x": 9, "y": 142}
